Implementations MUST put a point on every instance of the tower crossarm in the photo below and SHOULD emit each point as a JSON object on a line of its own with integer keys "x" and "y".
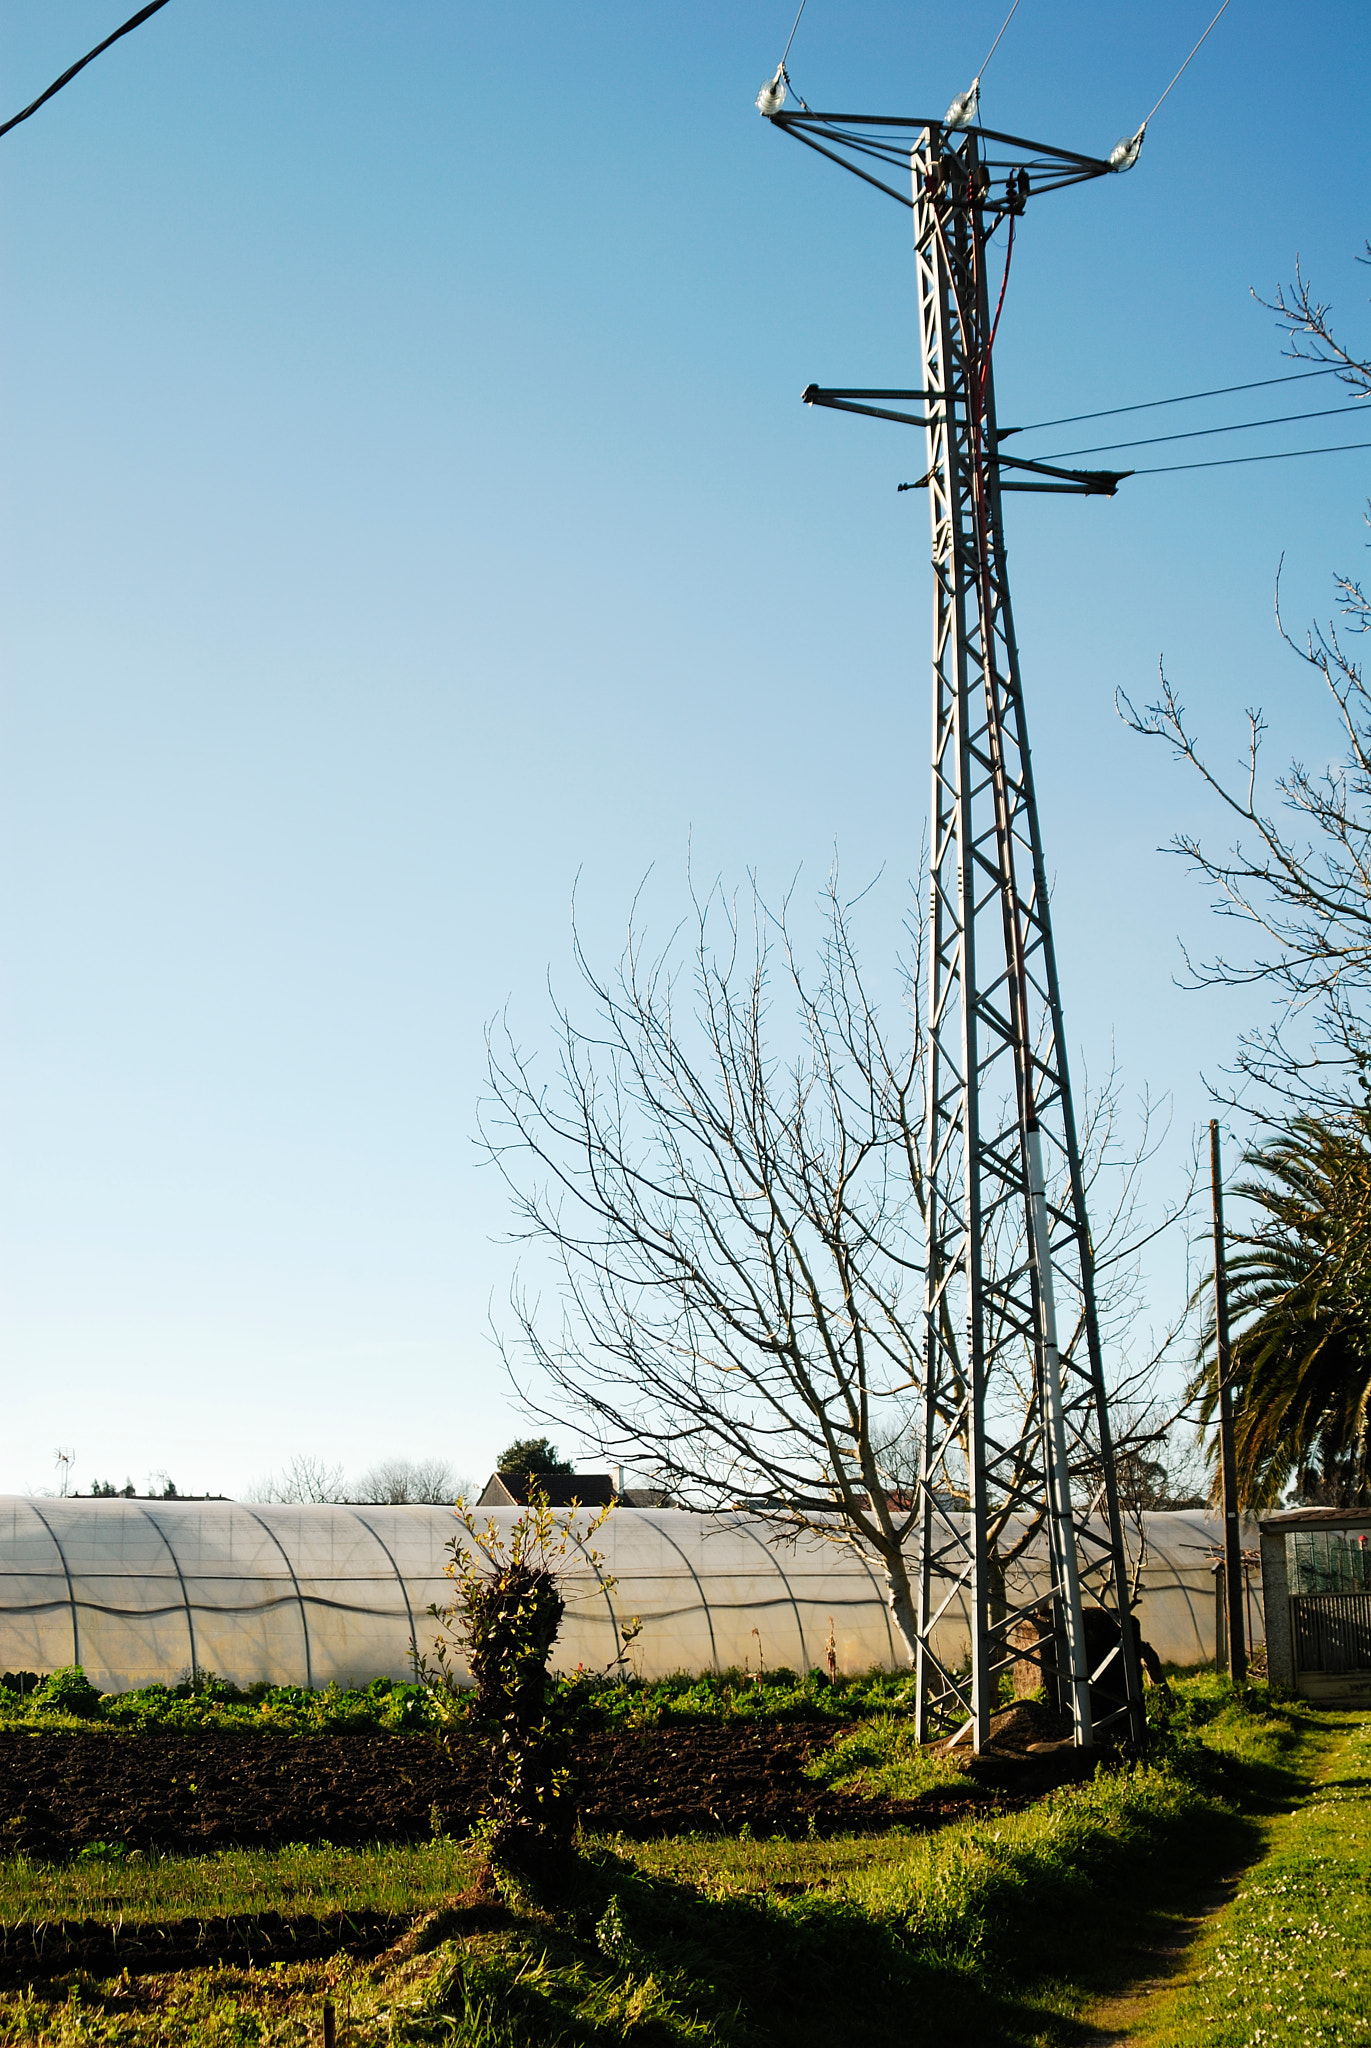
{"x": 870, "y": 145}
{"x": 1081, "y": 482}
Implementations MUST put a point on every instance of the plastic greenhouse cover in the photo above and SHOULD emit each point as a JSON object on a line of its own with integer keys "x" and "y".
{"x": 137, "y": 1591}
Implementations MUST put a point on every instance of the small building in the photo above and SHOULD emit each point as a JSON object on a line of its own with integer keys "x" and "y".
{"x": 1316, "y": 1591}
{"x": 567, "y": 1489}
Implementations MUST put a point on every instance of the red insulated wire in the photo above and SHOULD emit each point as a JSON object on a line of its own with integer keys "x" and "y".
{"x": 999, "y": 308}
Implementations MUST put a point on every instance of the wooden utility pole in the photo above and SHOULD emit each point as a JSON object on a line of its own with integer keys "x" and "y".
{"x": 1228, "y": 1464}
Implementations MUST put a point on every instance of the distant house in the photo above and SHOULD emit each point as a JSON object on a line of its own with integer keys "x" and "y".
{"x": 559, "y": 1489}
{"x": 562, "y": 1489}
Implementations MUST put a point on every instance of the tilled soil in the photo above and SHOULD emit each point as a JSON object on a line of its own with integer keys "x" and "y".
{"x": 217, "y": 1790}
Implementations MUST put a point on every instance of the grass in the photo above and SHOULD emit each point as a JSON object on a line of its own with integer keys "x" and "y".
{"x": 136, "y": 1889}
{"x": 882, "y": 1758}
{"x": 996, "y": 1932}
{"x": 1288, "y": 1964}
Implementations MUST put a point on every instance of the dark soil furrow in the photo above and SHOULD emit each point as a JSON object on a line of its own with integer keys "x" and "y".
{"x": 215, "y": 1790}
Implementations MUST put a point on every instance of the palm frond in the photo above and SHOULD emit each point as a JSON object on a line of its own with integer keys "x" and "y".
{"x": 1300, "y": 1310}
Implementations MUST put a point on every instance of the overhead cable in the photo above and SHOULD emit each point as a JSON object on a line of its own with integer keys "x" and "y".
{"x": 999, "y": 38}
{"x": 791, "y": 37}
{"x": 1193, "y": 53}
{"x": 966, "y": 106}
{"x": 1228, "y": 461}
{"x": 771, "y": 98}
{"x": 1076, "y": 419}
{"x": 1127, "y": 150}
{"x": 67, "y": 76}
{"x": 1202, "y": 433}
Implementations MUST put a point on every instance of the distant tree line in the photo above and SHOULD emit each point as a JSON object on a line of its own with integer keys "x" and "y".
{"x": 393, "y": 1482}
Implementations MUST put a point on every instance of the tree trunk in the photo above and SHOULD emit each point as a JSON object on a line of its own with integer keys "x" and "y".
{"x": 900, "y": 1598}
{"x": 997, "y": 1598}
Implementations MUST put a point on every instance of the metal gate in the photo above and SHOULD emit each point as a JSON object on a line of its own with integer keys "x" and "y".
{"x": 1331, "y": 1631}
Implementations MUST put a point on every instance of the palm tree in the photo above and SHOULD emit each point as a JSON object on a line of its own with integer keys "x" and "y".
{"x": 1300, "y": 1304}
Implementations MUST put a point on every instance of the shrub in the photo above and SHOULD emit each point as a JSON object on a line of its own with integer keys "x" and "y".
{"x": 68, "y": 1691}
{"x": 505, "y": 1616}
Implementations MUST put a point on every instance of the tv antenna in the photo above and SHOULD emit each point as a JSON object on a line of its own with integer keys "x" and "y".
{"x": 1014, "y": 1412}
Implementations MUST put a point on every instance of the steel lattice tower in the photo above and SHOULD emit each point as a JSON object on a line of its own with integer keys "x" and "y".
{"x": 1015, "y": 1421}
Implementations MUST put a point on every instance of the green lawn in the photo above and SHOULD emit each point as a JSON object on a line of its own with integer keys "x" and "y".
{"x": 1288, "y": 1963}
{"x": 1002, "y": 1931}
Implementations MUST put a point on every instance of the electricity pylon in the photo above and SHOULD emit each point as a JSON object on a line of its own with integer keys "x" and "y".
{"x": 1016, "y": 1432}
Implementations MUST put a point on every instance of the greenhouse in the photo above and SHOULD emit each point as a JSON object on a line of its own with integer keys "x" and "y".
{"x": 137, "y": 1591}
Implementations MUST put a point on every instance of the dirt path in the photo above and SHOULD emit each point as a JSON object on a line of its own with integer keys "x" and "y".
{"x": 1115, "y": 2022}
{"x": 1221, "y": 1955}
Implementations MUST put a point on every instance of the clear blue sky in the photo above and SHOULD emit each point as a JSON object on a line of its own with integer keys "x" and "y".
{"x": 409, "y": 505}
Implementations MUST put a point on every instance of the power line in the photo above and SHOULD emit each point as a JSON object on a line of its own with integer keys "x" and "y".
{"x": 1193, "y": 53}
{"x": 1228, "y": 461}
{"x": 1076, "y": 419}
{"x": 1125, "y": 151}
{"x": 1284, "y": 419}
{"x": 791, "y": 37}
{"x": 67, "y": 76}
{"x": 999, "y": 38}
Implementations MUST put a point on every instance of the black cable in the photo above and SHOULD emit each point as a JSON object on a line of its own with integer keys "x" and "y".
{"x": 1201, "y": 433}
{"x": 1227, "y": 461}
{"x": 67, "y": 76}
{"x": 1075, "y": 419}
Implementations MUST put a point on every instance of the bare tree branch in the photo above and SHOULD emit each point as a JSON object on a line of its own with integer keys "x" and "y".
{"x": 1300, "y": 882}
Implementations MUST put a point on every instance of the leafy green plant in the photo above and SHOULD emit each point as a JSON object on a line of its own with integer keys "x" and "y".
{"x": 599, "y": 1699}
{"x": 779, "y": 1694}
{"x": 68, "y": 1691}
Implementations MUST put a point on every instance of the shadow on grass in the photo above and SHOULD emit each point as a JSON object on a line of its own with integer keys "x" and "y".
{"x": 675, "y": 1965}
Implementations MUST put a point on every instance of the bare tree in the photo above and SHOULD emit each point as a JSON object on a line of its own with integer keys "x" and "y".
{"x": 731, "y": 1191}
{"x": 304, "y": 1479}
{"x": 393, "y": 1482}
{"x": 738, "y": 1232}
{"x": 1300, "y": 883}
{"x": 400, "y": 1482}
{"x": 1307, "y": 325}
